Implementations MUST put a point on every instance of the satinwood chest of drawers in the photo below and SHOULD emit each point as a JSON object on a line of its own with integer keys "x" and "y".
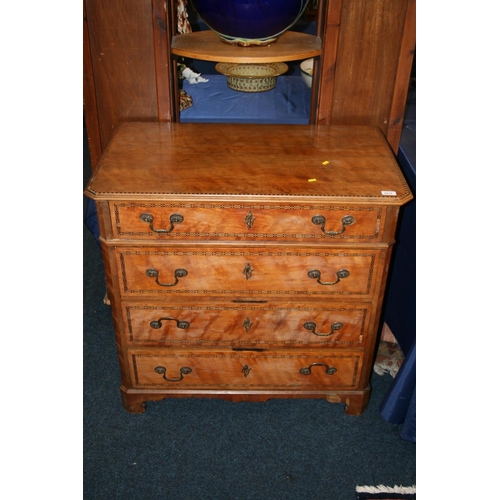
{"x": 246, "y": 261}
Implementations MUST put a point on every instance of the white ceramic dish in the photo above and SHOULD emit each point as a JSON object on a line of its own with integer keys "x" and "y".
{"x": 306, "y": 70}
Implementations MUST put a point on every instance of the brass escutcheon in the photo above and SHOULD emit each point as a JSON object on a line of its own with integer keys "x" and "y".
{"x": 247, "y": 271}
{"x": 249, "y": 219}
{"x": 247, "y": 324}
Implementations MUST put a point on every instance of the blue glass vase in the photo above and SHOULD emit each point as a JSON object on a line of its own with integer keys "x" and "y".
{"x": 249, "y": 22}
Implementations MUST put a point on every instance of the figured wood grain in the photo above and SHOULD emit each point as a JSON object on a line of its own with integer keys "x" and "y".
{"x": 268, "y": 370}
{"x": 207, "y": 46}
{"x": 250, "y": 221}
{"x": 248, "y": 162}
{"x": 255, "y": 272}
{"x": 246, "y": 324}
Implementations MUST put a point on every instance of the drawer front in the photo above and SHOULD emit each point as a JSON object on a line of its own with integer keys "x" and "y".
{"x": 226, "y": 369}
{"x": 246, "y": 325}
{"x": 192, "y": 221}
{"x": 230, "y": 272}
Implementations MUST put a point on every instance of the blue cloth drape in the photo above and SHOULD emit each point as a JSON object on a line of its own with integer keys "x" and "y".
{"x": 214, "y": 102}
{"x": 90, "y": 219}
{"x": 399, "y": 404}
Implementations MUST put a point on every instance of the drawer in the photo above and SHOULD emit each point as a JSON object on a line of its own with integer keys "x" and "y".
{"x": 229, "y": 370}
{"x": 203, "y": 271}
{"x": 212, "y": 221}
{"x": 240, "y": 325}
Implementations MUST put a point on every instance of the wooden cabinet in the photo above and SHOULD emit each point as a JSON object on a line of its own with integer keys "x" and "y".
{"x": 363, "y": 69}
{"x": 247, "y": 261}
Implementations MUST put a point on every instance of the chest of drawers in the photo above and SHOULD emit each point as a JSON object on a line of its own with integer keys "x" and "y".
{"x": 246, "y": 261}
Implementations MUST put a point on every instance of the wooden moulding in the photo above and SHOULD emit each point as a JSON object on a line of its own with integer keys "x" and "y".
{"x": 135, "y": 400}
{"x": 207, "y": 46}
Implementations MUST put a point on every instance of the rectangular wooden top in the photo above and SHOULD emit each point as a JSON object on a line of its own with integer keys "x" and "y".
{"x": 207, "y": 161}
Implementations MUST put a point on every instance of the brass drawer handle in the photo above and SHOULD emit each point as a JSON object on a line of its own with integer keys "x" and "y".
{"x": 178, "y": 273}
{"x": 174, "y": 219}
{"x": 320, "y": 220}
{"x": 311, "y": 326}
{"x": 316, "y": 275}
{"x": 183, "y": 325}
{"x": 330, "y": 370}
{"x": 161, "y": 370}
